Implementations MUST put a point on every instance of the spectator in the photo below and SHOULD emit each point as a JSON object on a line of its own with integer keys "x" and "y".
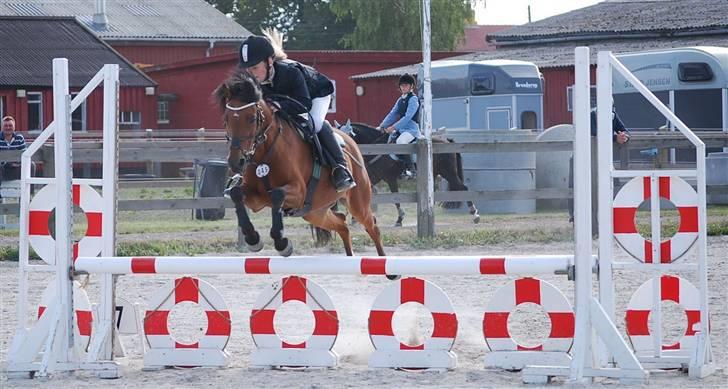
{"x": 10, "y": 140}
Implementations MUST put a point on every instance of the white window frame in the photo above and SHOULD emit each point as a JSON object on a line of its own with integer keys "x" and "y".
{"x": 2, "y": 107}
{"x": 40, "y": 110}
{"x": 570, "y": 94}
{"x": 123, "y": 122}
{"x": 490, "y": 110}
{"x": 332, "y": 104}
{"x": 159, "y": 117}
{"x": 84, "y": 118}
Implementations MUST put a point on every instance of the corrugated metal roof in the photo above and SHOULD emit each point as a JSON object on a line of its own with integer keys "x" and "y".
{"x": 29, "y": 45}
{"x": 164, "y": 20}
{"x": 623, "y": 17}
{"x": 562, "y": 54}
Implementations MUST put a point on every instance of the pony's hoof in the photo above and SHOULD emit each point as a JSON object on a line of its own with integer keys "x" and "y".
{"x": 398, "y": 224}
{"x": 288, "y": 250}
{"x": 254, "y": 248}
{"x": 393, "y": 277}
{"x": 476, "y": 219}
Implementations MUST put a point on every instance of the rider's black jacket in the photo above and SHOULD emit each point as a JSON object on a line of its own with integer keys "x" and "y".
{"x": 298, "y": 82}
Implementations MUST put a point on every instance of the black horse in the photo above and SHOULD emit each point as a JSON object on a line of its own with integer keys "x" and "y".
{"x": 388, "y": 169}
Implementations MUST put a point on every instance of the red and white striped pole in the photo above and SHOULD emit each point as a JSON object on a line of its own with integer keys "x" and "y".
{"x": 331, "y": 264}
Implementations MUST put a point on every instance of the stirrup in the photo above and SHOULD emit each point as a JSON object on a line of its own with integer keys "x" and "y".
{"x": 345, "y": 183}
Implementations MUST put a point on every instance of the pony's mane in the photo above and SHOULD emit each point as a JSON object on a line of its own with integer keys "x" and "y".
{"x": 240, "y": 86}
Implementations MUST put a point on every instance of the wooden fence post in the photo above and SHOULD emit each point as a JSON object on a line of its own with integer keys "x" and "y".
{"x": 425, "y": 210}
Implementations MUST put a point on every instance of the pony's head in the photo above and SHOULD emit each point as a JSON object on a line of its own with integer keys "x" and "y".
{"x": 246, "y": 117}
{"x": 363, "y": 133}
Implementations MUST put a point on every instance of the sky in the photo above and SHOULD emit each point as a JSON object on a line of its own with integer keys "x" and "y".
{"x": 516, "y": 11}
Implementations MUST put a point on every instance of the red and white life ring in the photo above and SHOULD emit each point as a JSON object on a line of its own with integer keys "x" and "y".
{"x": 674, "y": 289}
{"x": 81, "y": 307}
{"x": 417, "y": 290}
{"x": 632, "y": 195}
{"x": 528, "y": 290}
{"x": 156, "y": 318}
{"x": 41, "y": 206}
{"x": 326, "y": 327}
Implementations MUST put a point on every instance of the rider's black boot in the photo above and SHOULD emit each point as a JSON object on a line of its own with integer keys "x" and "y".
{"x": 340, "y": 175}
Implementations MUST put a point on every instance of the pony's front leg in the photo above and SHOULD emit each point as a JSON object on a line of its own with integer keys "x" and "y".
{"x": 252, "y": 238}
{"x": 282, "y": 244}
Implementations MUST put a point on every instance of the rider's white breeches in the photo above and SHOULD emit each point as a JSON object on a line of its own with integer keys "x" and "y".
{"x": 319, "y": 109}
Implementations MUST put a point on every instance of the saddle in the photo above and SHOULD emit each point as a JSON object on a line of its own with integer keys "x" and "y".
{"x": 305, "y": 128}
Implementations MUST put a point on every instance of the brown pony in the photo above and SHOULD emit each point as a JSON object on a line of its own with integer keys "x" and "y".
{"x": 277, "y": 166}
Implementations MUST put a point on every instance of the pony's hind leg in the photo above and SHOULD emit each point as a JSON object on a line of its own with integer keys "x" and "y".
{"x": 251, "y": 236}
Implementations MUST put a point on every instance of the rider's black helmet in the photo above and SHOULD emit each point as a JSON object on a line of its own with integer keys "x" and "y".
{"x": 406, "y": 79}
{"x": 253, "y": 50}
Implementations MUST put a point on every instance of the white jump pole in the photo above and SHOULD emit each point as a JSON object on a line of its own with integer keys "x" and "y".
{"x": 336, "y": 264}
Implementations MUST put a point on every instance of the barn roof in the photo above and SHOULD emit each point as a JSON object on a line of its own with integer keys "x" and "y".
{"x": 547, "y": 56}
{"x": 142, "y": 20}
{"x": 29, "y": 45}
{"x": 623, "y": 18}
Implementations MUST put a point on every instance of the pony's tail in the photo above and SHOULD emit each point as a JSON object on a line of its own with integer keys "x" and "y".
{"x": 460, "y": 167}
{"x": 320, "y": 236}
{"x": 276, "y": 39}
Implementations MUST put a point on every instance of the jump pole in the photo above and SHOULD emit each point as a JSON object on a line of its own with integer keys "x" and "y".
{"x": 333, "y": 264}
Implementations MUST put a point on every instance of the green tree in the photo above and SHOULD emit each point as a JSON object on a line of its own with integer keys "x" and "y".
{"x": 397, "y": 24}
{"x": 317, "y": 28}
{"x": 306, "y": 24}
{"x": 224, "y": 6}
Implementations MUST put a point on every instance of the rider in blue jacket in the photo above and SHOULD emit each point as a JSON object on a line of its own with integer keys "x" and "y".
{"x": 402, "y": 122}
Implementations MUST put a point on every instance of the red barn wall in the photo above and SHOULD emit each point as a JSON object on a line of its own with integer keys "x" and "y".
{"x": 130, "y": 99}
{"x": 555, "y": 97}
{"x": 379, "y": 96}
{"x": 151, "y": 55}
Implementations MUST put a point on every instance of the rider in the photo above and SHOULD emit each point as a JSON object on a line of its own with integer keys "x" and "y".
{"x": 402, "y": 122}
{"x": 307, "y": 91}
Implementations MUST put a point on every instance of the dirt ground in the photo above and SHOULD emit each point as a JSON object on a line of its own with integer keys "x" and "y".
{"x": 353, "y": 296}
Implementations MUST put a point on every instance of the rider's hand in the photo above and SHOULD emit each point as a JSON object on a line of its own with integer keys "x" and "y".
{"x": 622, "y": 137}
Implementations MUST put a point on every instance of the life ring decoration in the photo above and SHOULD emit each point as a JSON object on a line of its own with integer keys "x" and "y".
{"x": 326, "y": 327}
{"x": 632, "y": 195}
{"x": 81, "y": 309}
{"x": 412, "y": 289}
{"x": 672, "y": 288}
{"x": 528, "y": 290}
{"x": 194, "y": 290}
{"x": 41, "y": 207}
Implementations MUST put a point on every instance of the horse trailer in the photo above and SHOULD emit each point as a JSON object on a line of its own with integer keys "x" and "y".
{"x": 485, "y": 101}
{"x": 486, "y": 95}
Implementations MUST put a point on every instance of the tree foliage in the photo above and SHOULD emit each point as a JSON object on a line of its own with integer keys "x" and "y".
{"x": 397, "y": 24}
{"x": 306, "y": 24}
{"x": 224, "y": 6}
{"x": 353, "y": 24}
